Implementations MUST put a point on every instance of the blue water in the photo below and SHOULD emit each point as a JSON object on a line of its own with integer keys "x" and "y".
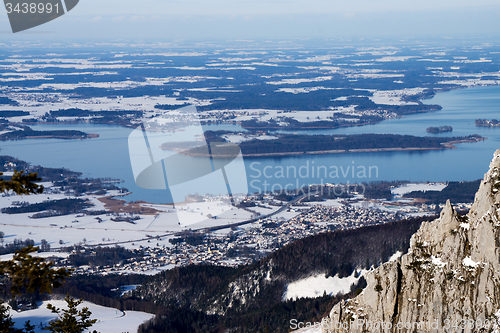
{"x": 107, "y": 156}
{"x": 468, "y": 162}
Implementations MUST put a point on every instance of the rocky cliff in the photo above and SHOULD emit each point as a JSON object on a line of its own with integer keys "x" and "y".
{"x": 449, "y": 281}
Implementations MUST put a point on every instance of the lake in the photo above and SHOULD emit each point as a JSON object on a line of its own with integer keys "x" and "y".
{"x": 108, "y": 156}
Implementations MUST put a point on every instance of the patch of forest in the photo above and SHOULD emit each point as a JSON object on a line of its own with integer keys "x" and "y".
{"x": 122, "y": 118}
{"x": 16, "y": 245}
{"x": 170, "y": 107}
{"x": 101, "y": 256}
{"x": 105, "y": 291}
{"x": 440, "y": 129}
{"x": 380, "y": 189}
{"x": 340, "y": 120}
{"x": 80, "y": 186}
{"x": 58, "y": 134}
{"x": 264, "y": 96}
{"x": 4, "y": 125}
{"x": 364, "y": 103}
{"x": 295, "y": 143}
{"x": 293, "y": 124}
{"x": 9, "y": 114}
{"x": 54, "y": 207}
{"x": 259, "y": 320}
{"x": 343, "y": 251}
{"x": 6, "y": 100}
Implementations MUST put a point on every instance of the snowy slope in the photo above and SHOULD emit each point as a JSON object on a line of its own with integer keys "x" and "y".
{"x": 315, "y": 286}
{"x": 110, "y": 320}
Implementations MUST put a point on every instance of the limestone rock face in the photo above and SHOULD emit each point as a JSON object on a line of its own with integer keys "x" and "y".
{"x": 449, "y": 281}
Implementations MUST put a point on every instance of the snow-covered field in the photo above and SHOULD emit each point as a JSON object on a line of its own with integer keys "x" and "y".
{"x": 289, "y": 215}
{"x": 329, "y": 203}
{"x": 394, "y": 97}
{"x": 315, "y": 286}
{"x": 109, "y": 320}
{"x": 149, "y": 230}
{"x": 243, "y": 137}
{"x": 407, "y": 188}
{"x": 70, "y": 229}
{"x": 40, "y": 103}
{"x": 302, "y": 116}
{"x": 46, "y": 255}
{"x": 297, "y": 81}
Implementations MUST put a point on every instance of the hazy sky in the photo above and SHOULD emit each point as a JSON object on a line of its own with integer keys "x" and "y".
{"x": 163, "y": 20}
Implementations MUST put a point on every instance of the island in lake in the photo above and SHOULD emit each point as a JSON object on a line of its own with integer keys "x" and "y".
{"x": 294, "y": 144}
{"x": 28, "y": 133}
{"x": 487, "y": 123}
{"x": 440, "y": 129}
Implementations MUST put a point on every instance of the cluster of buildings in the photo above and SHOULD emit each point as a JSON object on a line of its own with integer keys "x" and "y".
{"x": 345, "y": 216}
{"x": 245, "y": 245}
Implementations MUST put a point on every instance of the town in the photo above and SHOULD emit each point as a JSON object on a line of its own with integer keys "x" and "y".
{"x": 246, "y": 244}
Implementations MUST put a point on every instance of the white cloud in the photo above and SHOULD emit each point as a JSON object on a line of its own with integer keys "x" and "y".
{"x": 137, "y": 18}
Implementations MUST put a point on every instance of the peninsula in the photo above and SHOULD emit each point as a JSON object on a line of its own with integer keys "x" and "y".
{"x": 294, "y": 144}
{"x": 31, "y": 134}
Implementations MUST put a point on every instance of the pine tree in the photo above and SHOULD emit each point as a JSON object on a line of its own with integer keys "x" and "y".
{"x": 32, "y": 275}
{"x": 28, "y": 328}
{"x": 70, "y": 320}
{"x": 35, "y": 276}
{"x": 6, "y": 323}
{"x": 21, "y": 183}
